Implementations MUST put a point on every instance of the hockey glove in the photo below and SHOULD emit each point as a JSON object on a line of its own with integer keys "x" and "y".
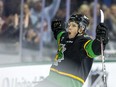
{"x": 102, "y": 32}
{"x": 57, "y": 24}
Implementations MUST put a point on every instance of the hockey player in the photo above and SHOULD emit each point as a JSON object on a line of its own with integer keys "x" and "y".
{"x": 76, "y": 51}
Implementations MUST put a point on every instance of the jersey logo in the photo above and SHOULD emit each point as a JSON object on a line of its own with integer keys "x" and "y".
{"x": 60, "y": 54}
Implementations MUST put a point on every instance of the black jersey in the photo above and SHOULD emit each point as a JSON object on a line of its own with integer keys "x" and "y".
{"x": 76, "y": 63}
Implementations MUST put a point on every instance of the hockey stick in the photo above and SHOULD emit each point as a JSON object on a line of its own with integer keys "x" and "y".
{"x": 102, "y": 53}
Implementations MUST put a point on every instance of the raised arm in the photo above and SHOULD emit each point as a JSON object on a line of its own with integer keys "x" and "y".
{"x": 52, "y": 9}
{"x": 58, "y": 30}
{"x": 93, "y": 47}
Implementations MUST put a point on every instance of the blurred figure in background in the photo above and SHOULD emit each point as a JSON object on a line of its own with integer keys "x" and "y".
{"x": 36, "y": 28}
{"x": 61, "y": 13}
{"x": 46, "y": 14}
{"x": 32, "y": 38}
{"x": 85, "y": 10}
{"x": 9, "y": 31}
{"x": 112, "y": 33}
{"x": 2, "y": 17}
{"x": 107, "y": 21}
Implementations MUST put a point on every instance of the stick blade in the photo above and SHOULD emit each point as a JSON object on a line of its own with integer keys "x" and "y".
{"x": 102, "y": 16}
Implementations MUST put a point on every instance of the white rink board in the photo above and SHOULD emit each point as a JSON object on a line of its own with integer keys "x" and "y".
{"x": 23, "y": 76}
{"x": 28, "y": 76}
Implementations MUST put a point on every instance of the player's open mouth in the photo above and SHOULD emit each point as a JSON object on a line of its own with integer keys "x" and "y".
{"x": 69, "y": 33}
